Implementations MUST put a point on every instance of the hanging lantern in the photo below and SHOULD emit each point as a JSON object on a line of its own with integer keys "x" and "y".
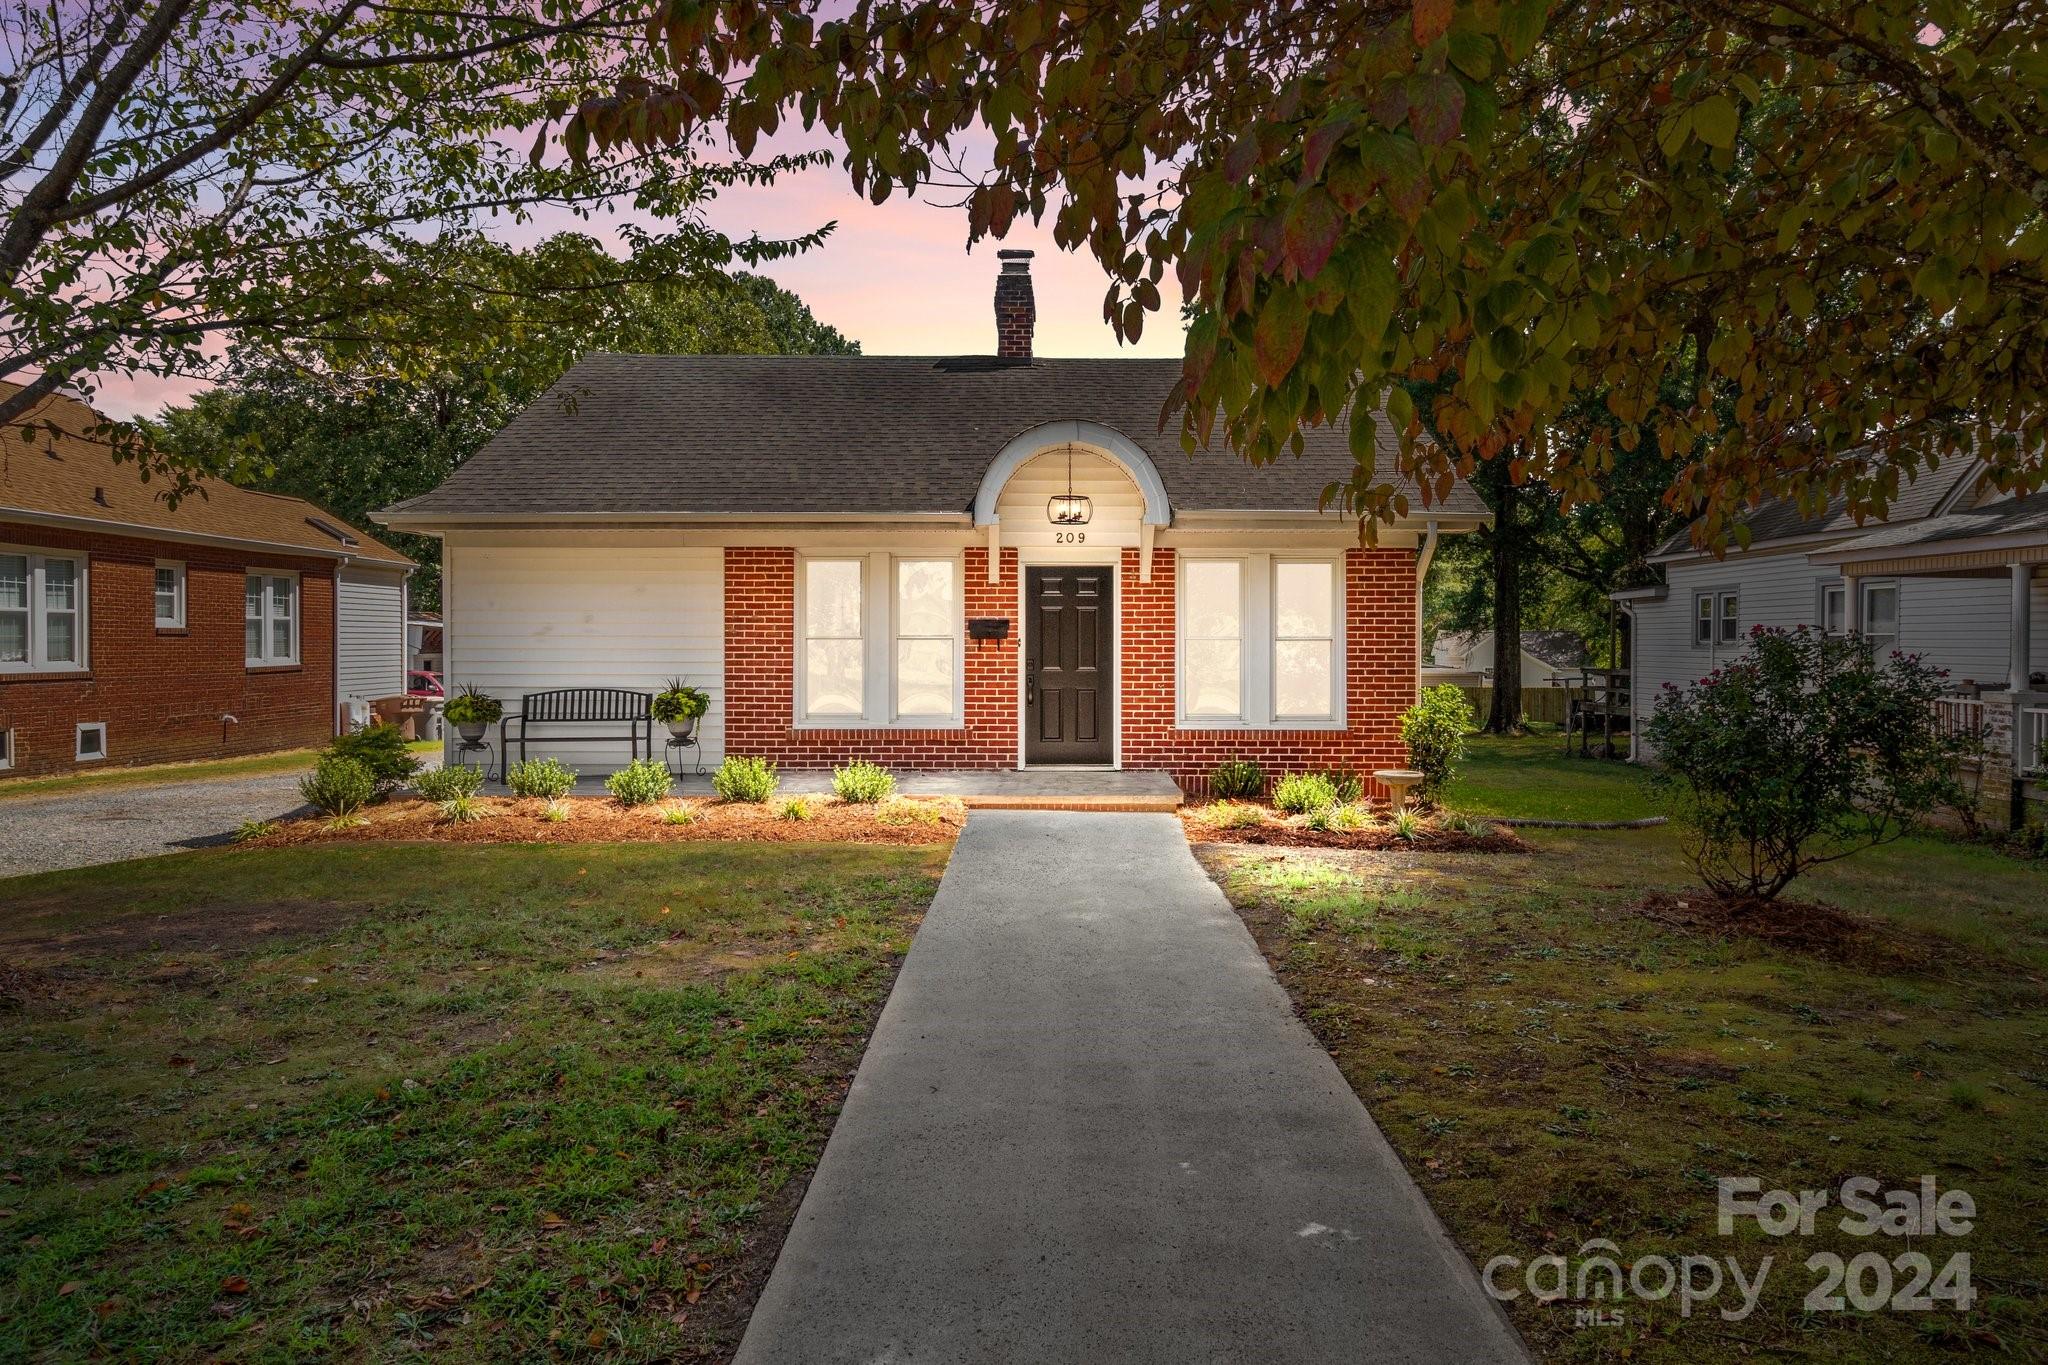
{"x": 1069, "y": 508}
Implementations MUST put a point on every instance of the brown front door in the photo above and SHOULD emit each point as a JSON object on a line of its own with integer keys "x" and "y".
{"x": 1069, "y": 665}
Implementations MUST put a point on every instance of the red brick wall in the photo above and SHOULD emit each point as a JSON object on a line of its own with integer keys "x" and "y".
{"x": 1380, "y": 654}
{"x": 162, "y": 692}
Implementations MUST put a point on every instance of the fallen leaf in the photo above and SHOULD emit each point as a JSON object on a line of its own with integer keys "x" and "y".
{"x": 178, "y": 1059}
{"x": 69, "y": 1287}
{"x": 235, "y": 1284}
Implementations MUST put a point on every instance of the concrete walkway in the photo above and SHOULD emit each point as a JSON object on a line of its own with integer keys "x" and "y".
{"x": 1089, "y": 1128}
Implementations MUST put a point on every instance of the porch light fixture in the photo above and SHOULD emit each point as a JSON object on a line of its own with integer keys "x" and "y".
{"x": 1069, "y": 508}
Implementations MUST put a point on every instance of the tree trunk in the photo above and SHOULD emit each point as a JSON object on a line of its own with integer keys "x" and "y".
{"x": 1506, "y": 715}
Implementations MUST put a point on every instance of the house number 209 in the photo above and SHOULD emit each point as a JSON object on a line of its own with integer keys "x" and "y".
{"x": 1070, "y": 537}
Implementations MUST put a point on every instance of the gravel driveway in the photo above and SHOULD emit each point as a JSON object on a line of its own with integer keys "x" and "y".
{"x": 77, "y": 828}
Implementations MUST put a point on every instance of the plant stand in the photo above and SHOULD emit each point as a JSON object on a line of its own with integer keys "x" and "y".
{"x": 477, "y": 753}
{"x": 672, "y": 754}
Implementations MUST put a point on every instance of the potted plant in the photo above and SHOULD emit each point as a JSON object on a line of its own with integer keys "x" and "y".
{"x": 678, "y": 706}
{"x": 472, "y": 711}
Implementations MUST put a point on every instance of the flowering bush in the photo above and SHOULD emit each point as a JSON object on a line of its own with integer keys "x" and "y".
{"x": 1806, "y": 749}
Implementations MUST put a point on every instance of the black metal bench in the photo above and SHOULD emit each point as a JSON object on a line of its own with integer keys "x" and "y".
{"x": 582, "y": 706}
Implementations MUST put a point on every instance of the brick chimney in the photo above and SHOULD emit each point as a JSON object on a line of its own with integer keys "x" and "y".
{"x": 1016, "y": 309}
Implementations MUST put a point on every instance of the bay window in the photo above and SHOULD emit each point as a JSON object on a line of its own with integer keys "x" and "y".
{"x": 42, "y": 612}
{"x": 879, "y": 640}
{"x": 1261, "y": 641}
{"x": 270, "y": 620}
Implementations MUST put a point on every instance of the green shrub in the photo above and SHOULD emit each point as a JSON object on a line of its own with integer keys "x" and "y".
{"x": 899, "y": 810}
{"x": 254, "y": 829}
{"x": 462, "y": 808}
{"x": 338, "y": 786}
{"x": 863, "y": 783}
{"x": 1471, "y": 826}
{"x": 1238, "y": 780}
{"x": 679, "y": 815}
{"x": 1805, "y": 749}
{"x": 547, "y": 778}
{"x": 556, "y": 812}
{"x": 1434, "y": 731}
{"x": 1348, "y": 786}
{"x": 1234, "y": 815}
{"x": 447, "y": 783}
{"x": 745, "y": 779}
{"x": 1319, "y": 819}
{"x": 380, "y": 749}
{"x": 472, "y": 706}
{"x": 1407, "y": 825}
{"x": 795, "y": 808}
{"x": 678, "y": 701}
{"x": 1298, "y": 793}
{"x": 1350, "y": 816}
{"x": 640, "y": 783}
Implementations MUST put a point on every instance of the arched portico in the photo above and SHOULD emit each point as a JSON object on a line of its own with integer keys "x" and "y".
{"x": 1093, "y": 436}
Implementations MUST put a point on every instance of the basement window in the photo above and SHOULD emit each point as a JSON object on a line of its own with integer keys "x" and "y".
{"x": 6, "y": 750}
{"x": 92, "y": 741}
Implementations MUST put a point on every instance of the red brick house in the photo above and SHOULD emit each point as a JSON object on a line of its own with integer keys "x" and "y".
{"x": 134, "y": 632}
{"x": 976, "y": 562}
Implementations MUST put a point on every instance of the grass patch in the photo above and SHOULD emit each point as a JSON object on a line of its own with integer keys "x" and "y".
{"x": 1555, "y": 1067}
{"x": 510, "y": 1101}
{"x": 1531, "y": 777}
{"x": 256, "y": 765}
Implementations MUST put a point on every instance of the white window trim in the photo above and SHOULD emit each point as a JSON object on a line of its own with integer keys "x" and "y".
{"x": 878, "y": 645}
{"x": 1838, "y": 587}
{"x": 176, "y": 621}
{"x": 38, "y": 615}
{"x": 298, "y": 618}
{"x": 1718, "y": 597}
{"x": 1259, "y": 644}
{"x": 1864, "y": 587}
{"x": 78, "y": 753}
{"x": 6, "y": 750}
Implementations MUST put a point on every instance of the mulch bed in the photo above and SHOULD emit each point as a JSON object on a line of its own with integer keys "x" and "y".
{"x": 510, "y": 820}
{"x": 1278, "y": 832}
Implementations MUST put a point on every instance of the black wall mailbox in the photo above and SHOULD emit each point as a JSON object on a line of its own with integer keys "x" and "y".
{"x": 988, "y": 628}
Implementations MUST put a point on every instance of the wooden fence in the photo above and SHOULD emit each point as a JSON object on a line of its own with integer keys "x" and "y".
{"x": 1538, "y": 703}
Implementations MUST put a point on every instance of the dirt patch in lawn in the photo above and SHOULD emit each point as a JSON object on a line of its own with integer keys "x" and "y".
{"x": 1275, "y": 832}
{"x": 508, "y": 820}
{"x": 1801, "y": 926}
{"x": 209, "y": 929}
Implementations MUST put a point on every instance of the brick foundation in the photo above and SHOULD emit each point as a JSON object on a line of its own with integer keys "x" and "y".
{"x": 1380, "y": 655}
{"x": 162, "y": 693}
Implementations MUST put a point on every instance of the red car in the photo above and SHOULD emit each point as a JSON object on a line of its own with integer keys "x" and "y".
{"x": 420, "y": 683}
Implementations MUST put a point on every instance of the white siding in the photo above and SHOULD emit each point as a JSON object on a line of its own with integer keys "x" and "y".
{"x": 1960, "y": 624}
{"x": 528, "y": 618}
{"x": 370, "y": 634}
{"x": 1117, "y": 505}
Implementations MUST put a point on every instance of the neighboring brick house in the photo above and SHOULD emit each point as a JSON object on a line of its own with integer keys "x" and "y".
{"x": 974, "y": 562}
{"x": 135, "y": 632}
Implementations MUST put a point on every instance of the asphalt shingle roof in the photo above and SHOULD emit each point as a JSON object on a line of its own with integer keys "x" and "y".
{"x": 1778, "y": 520}
{"x": 883, "y": 435}
{"x": 2010, "y": 517}
{"x": 70, "y": 472}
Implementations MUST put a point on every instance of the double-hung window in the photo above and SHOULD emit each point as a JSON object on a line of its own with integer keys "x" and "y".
{"x": 1834, "y": 609}
{"x": 1261, "y": 643}
{"x": 42, "y": 612}
{"x": 1881, "y": 615}
{"x": 270, "y": 620}
{"x": 879, "y": 640}
{"x": 1717, "y": 618}
{"x": 170, "y": 595}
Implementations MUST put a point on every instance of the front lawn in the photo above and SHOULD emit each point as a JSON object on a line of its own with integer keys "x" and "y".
{"x": 1533, "y": 778}
{"x": 506, "y": 1101}
{"x": 1557, "y": 1067}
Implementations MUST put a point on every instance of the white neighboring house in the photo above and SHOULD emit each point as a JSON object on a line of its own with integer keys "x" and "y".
{"x": 1953, "y": 574}
{"x": 1465, "y": 657}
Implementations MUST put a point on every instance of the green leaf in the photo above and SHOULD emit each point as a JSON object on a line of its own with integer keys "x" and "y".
{"x": 1277, "y": 337}
{"x": 1715, "y": 120}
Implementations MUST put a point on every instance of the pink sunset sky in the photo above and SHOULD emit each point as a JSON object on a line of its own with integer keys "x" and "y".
{"x": 897, "y": 278}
